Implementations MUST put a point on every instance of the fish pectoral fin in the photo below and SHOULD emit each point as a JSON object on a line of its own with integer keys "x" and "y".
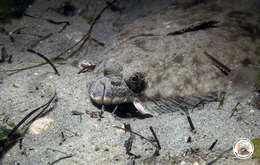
{"x": 141, "y": 108}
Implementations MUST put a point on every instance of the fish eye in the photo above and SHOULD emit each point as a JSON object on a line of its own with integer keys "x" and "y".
{"x": 134, "y": 78}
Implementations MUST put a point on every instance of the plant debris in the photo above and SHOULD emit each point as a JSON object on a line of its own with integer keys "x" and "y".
{"x": 235, "y": 109}
{"x": 33, "y": 45}
{"x": 224, "y": 69}
{"x": 66, "y": 23}
{"x": 46, "y": 59}
{"x": 8, "y": 137}
{"x": 61, "y": 158}
{"x": 213, "y": 144}
{"x": 77, "y": 113}
{"x": 129, "y": 142}
{"x": 156, "y": 144}
{"x": 219, "y": 156}
{"x": 197, "y": 27}
{"x": 187, "y": 114}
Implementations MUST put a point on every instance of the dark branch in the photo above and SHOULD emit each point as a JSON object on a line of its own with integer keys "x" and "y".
{"x": 224, "y": 69}
{"x": 64, "y": 157}
{"x": 218, "y": 157}
{"x": 46, "y": 59}
{"x": 213, "y": 144}
{"x": 127, "y": 130}
{"x": 187, "y": 114}
{"x": 201, "y": 26}
{"x": 156, "y": 140}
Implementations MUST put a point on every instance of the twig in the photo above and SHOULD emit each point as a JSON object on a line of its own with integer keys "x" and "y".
{"x": 221, "y": 102}
{"x": 77, "y": 113}
{"x": 100, "y": 114}
{"x": 187, "y": 114}
{"x": 224, "y": 69}
{"x": 142, "y": 35}
{"x": 21, "y": 143}
{"x": 234, "y": 109}
{"x": 55, "y": 150}
{"x": 46, "y": 59}
{"x": 41, "y": 39}
{"x": 135, "y": 37}
{"x": 66, "y": 23}
{"x": 83, "y": 70}
{"x": 201, "y": 26}
{"x": 63, "y": 139}
{"x": 61, "y": 158}
{"x": 98, "y": 42}
{"x": 213, "y": 144}
{"x": 129, "y": 142}
{"x": 10, "y": 33}
{"x": 157, "y": 141}
{"x": 13, "y": 71}
{"x": 142, "y": 137}
{"x": 64, "y": 157}
{"x": 19, "y": 31}
{"x": 218, "y": 157}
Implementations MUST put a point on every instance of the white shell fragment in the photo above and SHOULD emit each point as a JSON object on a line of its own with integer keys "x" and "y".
{"x": 40, "y": 125}
{"x": 85, "y": 64}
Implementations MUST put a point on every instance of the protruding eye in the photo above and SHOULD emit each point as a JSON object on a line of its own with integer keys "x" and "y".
{"x": 134, "y": 78}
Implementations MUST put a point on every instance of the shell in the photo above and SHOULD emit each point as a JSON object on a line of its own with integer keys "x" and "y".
{"x": 40, "y": 125}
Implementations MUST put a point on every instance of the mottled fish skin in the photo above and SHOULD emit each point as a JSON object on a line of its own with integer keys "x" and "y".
{"x": 109, "y": 90}
{"x": 136, "y": 82}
